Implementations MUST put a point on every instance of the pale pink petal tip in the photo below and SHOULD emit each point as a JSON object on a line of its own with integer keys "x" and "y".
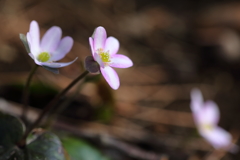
{"x": 111, "y": 45}
{"x": 111, "y": 77}
{"x": 121, "y": 61}
{"x": 99, "y": 38}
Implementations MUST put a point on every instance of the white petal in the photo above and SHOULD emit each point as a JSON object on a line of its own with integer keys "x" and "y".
{"x": 211, "y": 113}
{"x": 34, "y": 37}
{"x": 98, "y": 59}
{"x": 196, "y": 100}
{"x": 63, "y": 48}
{"x": 91, "y": 45}
{"x": 110, "y": 76}
{"x": 99, "y": 38}
{"x": 111, "y": 45}
{"x": 51, "y": 39}
{"x": 53, "y": 64}
{"x": 120, "y": 61}
{"x": 218, "y": 137}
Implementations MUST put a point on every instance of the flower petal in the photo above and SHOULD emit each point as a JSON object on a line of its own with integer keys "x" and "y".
{"x": 51, "y": 39}
{"x": 29, "y": 39}
{"x": 63, "y": 48}
{"x": 30, "y": 54}
{"x": 111, "y": 45}
{"x": 99, "y": 38}
{"x": 218, "y": 137}
{"x": 111, "y": 77}
{"x": 120, "y": 61}
{"x": 54, "y": 65}
{"x": 211, "y": 113}
{"x": 91, "y": 45}
{"x": 196, "y": 100}
{"x": 208, "y": 115}
{"x": 98, "y": 59}
{"x": 33, "y": 37}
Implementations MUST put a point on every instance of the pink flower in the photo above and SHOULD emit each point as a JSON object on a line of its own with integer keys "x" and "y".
{"x": 206, "y": 116}
{"x": 104, "y": 51}
{"x": 51, "y": 48}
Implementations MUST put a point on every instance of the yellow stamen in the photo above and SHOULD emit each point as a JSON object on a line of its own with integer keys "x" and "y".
{"x": 43, "y": 57}
{"x": 104, "y": 55}
{"x": 207, "y": 126}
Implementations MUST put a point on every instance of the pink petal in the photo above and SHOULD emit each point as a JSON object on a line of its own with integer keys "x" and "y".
{"x": 196, "y": 100}
{"x": 211, "y": 112}
{"x": 111, "y": 77}
{"x": 51, "y": 39}
{"x": 218, "y": 137}
{"x": 34, "y": 37}
{"x": 120, "y": 61}
{"x": 99, "y": 38}
{"x": 63, "y": 48}
{"x": 54, "y": 65}
{"x": 91, "y": 45}
{"x": 98, "y": 59}
{"x": 111, "y": 45}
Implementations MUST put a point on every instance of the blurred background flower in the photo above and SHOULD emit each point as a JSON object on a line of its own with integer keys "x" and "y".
{"x": 206, "y": 116}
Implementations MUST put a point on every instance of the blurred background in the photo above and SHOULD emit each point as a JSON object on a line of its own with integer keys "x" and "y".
{"x": 175, "y": 46}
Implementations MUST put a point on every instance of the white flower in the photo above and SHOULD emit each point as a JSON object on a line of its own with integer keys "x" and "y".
{"x": 51, "y": 48}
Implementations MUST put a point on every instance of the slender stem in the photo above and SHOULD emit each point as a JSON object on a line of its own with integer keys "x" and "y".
{"x": 54, "y": 112}
{"x": 51, "y": 105}
{"x": 26, "y": 93}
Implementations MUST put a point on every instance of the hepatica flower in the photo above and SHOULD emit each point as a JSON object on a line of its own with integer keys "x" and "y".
{"x": 206, "y": 116}
{"x": 51, "y": 48}
{"x": 104, "y": 51}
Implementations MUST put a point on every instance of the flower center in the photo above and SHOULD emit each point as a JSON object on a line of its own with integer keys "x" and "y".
{"x": 43, "y": 57}
{"x": 105, "y": 57}
{"x": 207, "y": 127}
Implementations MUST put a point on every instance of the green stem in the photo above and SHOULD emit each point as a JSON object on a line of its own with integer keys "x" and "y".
{"x": 50, "y": 106}
{"x": 26, "y": 93}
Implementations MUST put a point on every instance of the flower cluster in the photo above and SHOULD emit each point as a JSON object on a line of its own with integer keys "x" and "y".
{"x": 206, "y": 116}
{"x": 52, "y": 48}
